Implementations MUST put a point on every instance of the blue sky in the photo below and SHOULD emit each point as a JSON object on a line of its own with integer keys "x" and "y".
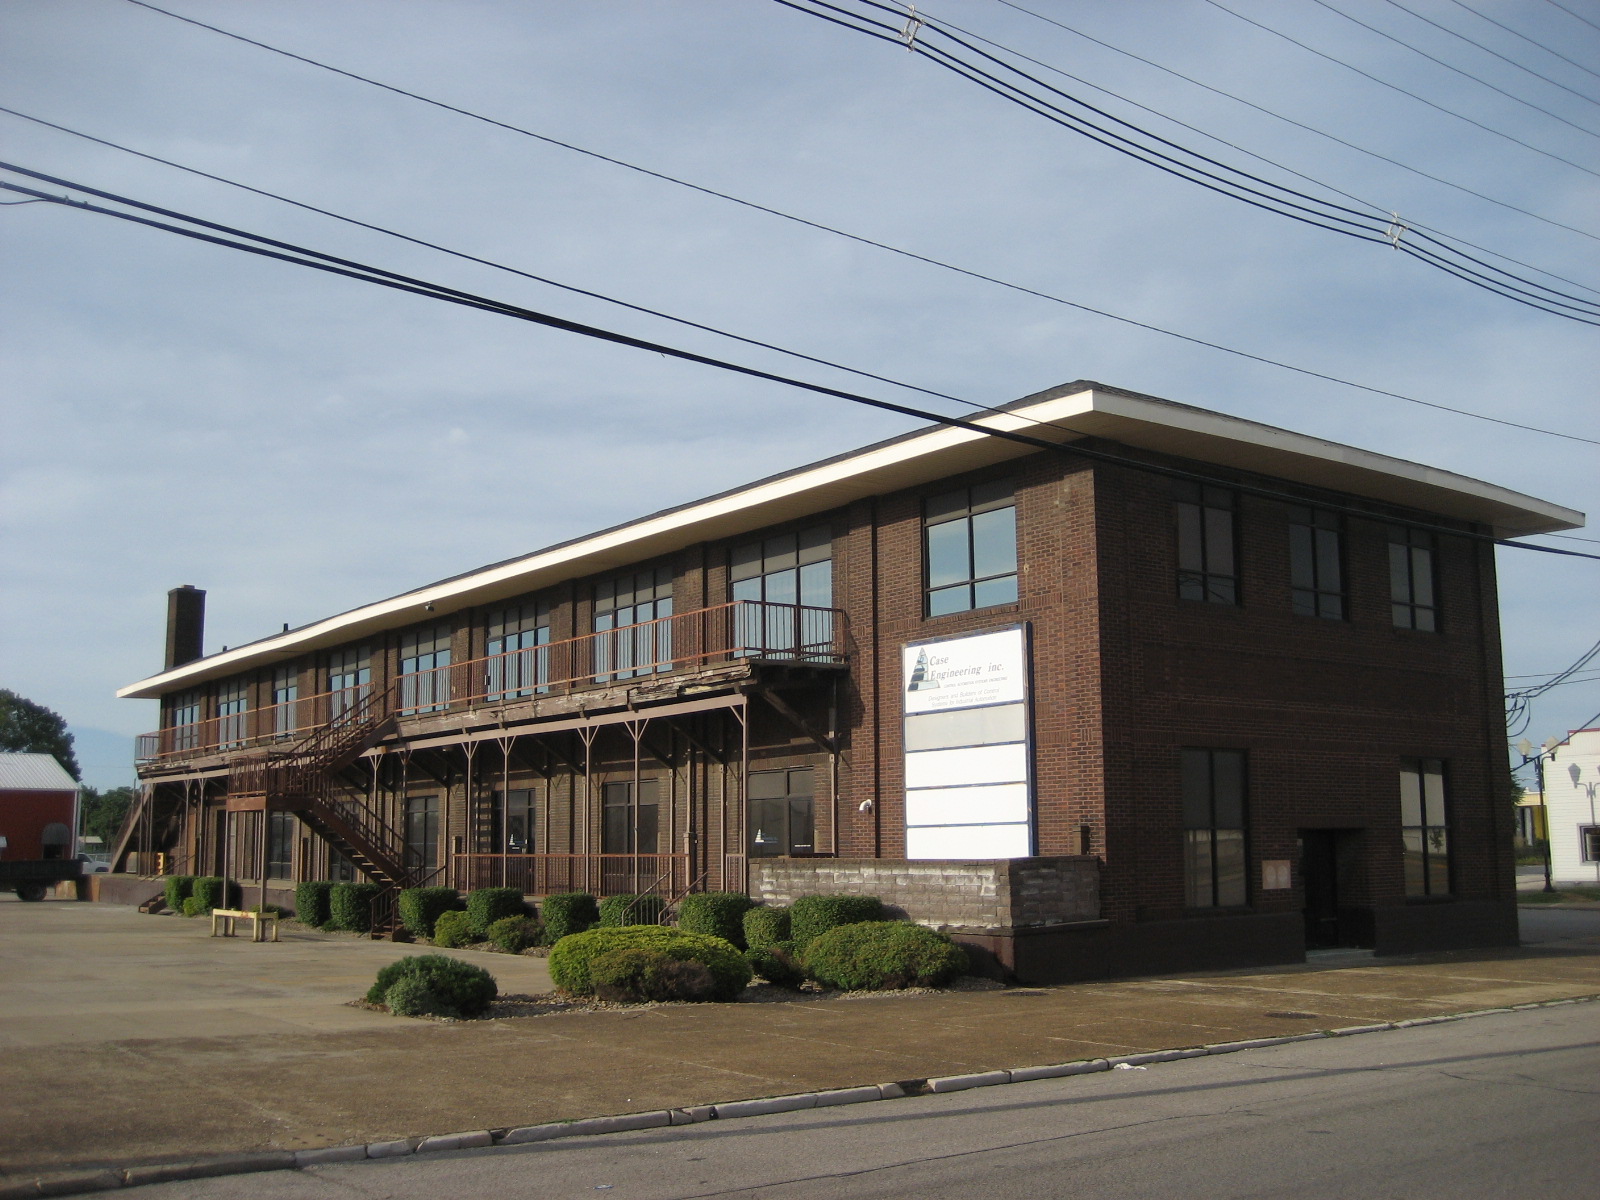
{"x": 296, "y": 444}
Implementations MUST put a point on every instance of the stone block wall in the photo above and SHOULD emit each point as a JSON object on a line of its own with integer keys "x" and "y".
{"x": 981, "y": 894}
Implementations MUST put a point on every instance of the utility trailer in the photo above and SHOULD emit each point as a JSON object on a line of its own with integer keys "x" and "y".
{"x": 38, "y": 813}
{"x": 32, "y": 878}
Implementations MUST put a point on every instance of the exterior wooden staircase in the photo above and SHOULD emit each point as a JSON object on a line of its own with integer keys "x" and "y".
{"x": 303, "y": 780}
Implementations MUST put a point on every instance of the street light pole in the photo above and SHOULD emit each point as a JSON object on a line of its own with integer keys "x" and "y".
{"x": 1548, "y": 749}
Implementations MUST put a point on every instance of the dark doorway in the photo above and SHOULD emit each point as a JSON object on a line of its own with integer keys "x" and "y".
{"x": 1329, "y": 860}
{"x": 781, "y": 818}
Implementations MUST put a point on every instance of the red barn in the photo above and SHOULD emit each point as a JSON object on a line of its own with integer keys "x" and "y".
{"x": 38, "y": 808}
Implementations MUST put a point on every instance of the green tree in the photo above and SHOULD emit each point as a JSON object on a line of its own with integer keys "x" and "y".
{"x": 29, "y": 728}
{"x": 104, "y": 812}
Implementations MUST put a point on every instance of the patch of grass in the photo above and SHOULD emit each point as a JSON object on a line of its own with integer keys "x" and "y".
{"x": 1560, "y": 896}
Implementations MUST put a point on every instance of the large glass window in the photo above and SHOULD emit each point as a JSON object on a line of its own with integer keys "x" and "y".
{"x": 629, "y": 615}
{"x": 183, "y": 721}
{"x": 1424, "y": 827}
{"x": 790, "y": 569}
{"x": 630, "y": 828}
{"x": 233, "y": 701}
{"x": 280, "y": 844}
{"x": 780, "y": 812}
{"x": 349, "y": 678}
{"x": 424, "y": 669}
{"x": 1214, "y": 828}
{"x": 422, "y": 832}
{"x": 285, "y": 700}
{"x": 970, "y": 548}
{"x": 517, "y": 665}
{"x": 1207, "y": 557}
{"x": 1316, "y": 574}
{"x": 1411, "y": 581}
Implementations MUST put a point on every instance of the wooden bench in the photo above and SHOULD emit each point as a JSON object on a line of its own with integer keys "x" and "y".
{"x": 223, "y": 920}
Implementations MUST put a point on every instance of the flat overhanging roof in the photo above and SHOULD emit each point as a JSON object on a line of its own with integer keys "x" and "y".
{"x": 1063, "y": 415}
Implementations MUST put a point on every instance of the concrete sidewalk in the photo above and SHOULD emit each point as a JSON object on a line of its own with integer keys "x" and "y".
{"x": 130, "y": 1039}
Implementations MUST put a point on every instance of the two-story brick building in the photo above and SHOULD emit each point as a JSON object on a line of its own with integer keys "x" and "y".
{"x": 1174, "y": 690}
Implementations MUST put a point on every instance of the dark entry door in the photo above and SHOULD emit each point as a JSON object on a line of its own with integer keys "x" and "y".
{"x": 1319, "y": 877}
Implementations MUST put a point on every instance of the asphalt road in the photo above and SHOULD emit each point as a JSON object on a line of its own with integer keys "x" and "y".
{"x": 1492, "y": 1107}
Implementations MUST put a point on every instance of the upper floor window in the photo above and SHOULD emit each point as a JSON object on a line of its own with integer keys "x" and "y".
{"x": 1424, "y": 827}
{"x": 349, "y": 678}
{"x": 183, "y": 721}
{"x": 1207, "y": 558}
{"x": 970, "y": 548}
{"x": 1213, "y": 828}
{"x": 1316, "y": 574}
{"x": 1411, "y": 582}
{"x": 629, "y": 611}
{"x": 424, "y": 674}
{"x": 233, "y": 701}
{"x": 794, "y": 570}
{"x": 285, "y": 700}
{"x": 517, "y": 666}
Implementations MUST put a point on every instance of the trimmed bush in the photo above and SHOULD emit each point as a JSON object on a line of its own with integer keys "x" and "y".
{"x": 350, "y": 907}
{"x": 766, "y": 924}
{"x": 453, "y": 929}
{"x": 456, "y": 989}
{"x": 208, "y": 890}
{"x": 720, "y": 914}
{"x": 311, "y": 902}
{"x": 644, "y": 909}
{"x": 636, "y": 974}
{"x": 193, "y": 906}
{"x": 571, "y": 959}
{"x": 176, "y": 890}
{"x": 412, "y": 997}
{"x": 568, "y": 913}
{"x": 488, "y": 905}
{"x": 878, "y": 955}
{"x": 812, "y": 916}
{"x": 270, "y": 910}
{"x": 778, "y": 963}
{"x": 513, "y": 935}
{"x": 421, "y": 907}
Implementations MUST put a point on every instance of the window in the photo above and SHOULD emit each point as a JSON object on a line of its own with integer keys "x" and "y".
{"x": 233, "y": 699}
{"x": 517, "y": 666}
{"x": 970, "y": 548}
{"x": 794, "y": 570}
{"x": 285, "y": 701}
{"x": 280, "y": 844}
{"x": 1316, "y": 576}
{"x": 183, "y": 721}
{"x": 1589, "y": 836}
{"x": 780, "y": 812}
{"x": 624, "y": 609}
{"x": 1411, "y": 590}
{"x": 349, "y": 678}
{"x": 629, "y": 828}
{"x": 1424, "y": 827}
{"x": 422, "y": 832}
{"x": 1207, "y": 561}
{"x": 1213, "y": 828}
{"x": 424, "y": 669}
{"x": 521, "y": 829}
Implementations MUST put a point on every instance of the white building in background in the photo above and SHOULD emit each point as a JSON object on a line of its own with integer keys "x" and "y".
{"x": 1572, "y": 792}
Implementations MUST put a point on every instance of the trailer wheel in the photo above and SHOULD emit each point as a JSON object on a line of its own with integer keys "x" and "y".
{"x": 31, "y": 891}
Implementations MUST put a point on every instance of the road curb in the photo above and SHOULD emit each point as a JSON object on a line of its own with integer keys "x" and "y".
{"x": 109, "y": 1179}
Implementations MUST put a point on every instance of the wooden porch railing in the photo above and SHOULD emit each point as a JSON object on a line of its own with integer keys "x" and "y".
{"x": 544, "y": 874}
{"x": 743, "y": 629}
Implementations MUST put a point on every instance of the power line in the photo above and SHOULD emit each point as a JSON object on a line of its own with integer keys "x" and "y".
{"x": 1391, "y": 86}
{"x": 1570, "y": 13}
{"x": 1042, "y": 295}
{"x": 301, "y": 256}
{"x": 1322, "y": 133}
{"x": 1483, "y": 16}
{"x": 1198, "y": 168}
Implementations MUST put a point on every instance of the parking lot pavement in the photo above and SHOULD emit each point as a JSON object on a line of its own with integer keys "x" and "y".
{"x": 132, "y": 1039}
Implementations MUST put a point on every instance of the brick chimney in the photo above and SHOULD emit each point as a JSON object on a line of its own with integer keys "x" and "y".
{"x": 186, "y": 625}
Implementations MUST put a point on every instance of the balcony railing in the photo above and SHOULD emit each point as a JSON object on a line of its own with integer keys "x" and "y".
{"x": 724, "y": 633}
{"x": 599, "y": 874}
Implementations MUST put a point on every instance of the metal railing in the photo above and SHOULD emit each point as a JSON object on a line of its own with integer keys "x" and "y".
{"x": 723, "y": 633}
{"x": 600, "y": 874}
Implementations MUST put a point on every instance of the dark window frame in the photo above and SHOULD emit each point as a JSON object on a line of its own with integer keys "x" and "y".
{"x": 1413, "y": 579}
{"x": 1316, "y": 564}
{"x": 1425, "y": 841}
{"x": 635, "y": 610}
{"x": 424, "y": 675}
{"x": 968, "y": 522}
{"x": 793, "y": 574}
{"x": 1208, "y": 543}
{"x": 518, "y": 665}
{"x": 1215, "y": 799}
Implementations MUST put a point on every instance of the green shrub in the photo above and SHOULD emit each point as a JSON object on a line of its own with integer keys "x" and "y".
{"x": 350, "y": 907}
{"x": 876, "y": 955}
{"x": 452, "y": 929}
{"x": 571, "y": 959}
{"x": 567, "y": 913}
{"x": 311, "y": 902}
{"x": 635, "y": 974}
{"x": 488, "y": 905}
{"x": 720, "y": 914}
{"x": 645, "y": 909}
{"x": 412, "y": 997}
{"x": 766, "y": 924}
{"x": 209, "y": 891}
{"x": 420, "y": 907}
{"x": 271, "y": 910}
{"x": 515, "y": 934}
{"x": 777, "y": 963}
{"x": 812, "y": 916}
{"x": 458, "y": 989}
{"x": 193, "y": 906}
{"x": 176, "y": 890}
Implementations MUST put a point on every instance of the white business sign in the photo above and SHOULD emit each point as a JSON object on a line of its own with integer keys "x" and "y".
{"x": 968, "y": 758}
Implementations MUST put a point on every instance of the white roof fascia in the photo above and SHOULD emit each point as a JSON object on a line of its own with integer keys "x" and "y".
{"x": 1146, "y": 422}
